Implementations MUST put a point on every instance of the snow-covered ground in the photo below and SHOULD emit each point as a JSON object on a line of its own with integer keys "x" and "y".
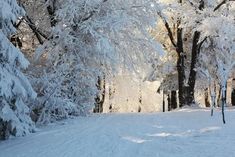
{"x": 184, "y": 133}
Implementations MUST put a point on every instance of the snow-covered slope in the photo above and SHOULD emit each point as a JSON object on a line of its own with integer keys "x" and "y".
{"x": 184, "y": 133}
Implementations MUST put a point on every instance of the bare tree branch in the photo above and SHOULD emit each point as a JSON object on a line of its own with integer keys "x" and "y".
{"x": 200, "y": 44}
{"x": 90, "y": 14}
{"x": 222, "y": 3}
{"x": 35, "y": 30}
{"x": 170, "y": 34}
{"x": 38, "y": 33}
{"x": 51, "y": 9}
{"x": 16, "y": 25}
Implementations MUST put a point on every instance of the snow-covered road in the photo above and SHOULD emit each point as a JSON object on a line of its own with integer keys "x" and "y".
{"x": 185, "y": 133}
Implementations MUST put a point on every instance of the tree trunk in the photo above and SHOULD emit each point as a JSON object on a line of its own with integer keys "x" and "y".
{"x": 193, "y": 71}
{"x": 181, "y": 66}
{"x": 100, "y": 96}
{"x": 233, "y": 92}
{"x": 181, "y": 79}
{"x": 169, "y": 102}
{"x": 225, "y": 96}
{"x": 223, "y": 101}
{"x": 206, "y": 94}
{"x": 173, "y": 99}
{"x": 186, "y": 93}
{"x": 219, "y": 97}
{"x": 163, "y": 102}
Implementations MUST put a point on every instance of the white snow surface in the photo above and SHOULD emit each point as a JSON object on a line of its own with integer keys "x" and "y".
{"x": 182, "y": 133}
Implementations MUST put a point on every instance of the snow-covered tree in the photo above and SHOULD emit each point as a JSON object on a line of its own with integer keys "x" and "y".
{"x": 14, "y": 86}
{"x": 91, "y": 39}
{"x": 219, "y": 57}
{"x": 180, "y": 20}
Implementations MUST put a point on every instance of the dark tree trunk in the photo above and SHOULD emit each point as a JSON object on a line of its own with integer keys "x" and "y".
{"x": 193, "y": 71}
{"x": 181, "y": 66}
{"x": 219, "y": 97}
{"x": 173, "y": 99}
{"x": 181, "y": 79}
{"x": 206, "y": 94}
{"x": 169, "y": 102}
{"x": 223, "y": 102}
{"x": 163, "y": 102}
{"x": 186, "y": 93}
{"x": 233, "y": 93}
{"x": 225, "y": 96}
{"x": 233, "y": 97}
{"x": 214, "y": 93}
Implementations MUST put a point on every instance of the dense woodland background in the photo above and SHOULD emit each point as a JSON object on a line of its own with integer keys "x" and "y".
{"x": 57, "y": 57}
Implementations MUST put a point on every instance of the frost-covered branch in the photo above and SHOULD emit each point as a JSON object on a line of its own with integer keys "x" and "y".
{"x": 170, "y": 33}
{"x": 221, "y": 3}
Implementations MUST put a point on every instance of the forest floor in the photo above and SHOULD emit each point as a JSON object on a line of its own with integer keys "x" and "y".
{"x": 182, "y": 133}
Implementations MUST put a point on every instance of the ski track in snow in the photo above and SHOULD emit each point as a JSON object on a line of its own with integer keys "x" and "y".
{"x": 183, "y": 133}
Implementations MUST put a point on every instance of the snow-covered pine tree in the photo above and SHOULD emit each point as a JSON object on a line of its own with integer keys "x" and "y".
{"x": 14, "y": 86}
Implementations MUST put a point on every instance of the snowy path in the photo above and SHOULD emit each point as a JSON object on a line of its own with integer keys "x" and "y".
{"x": 187, "y": 133}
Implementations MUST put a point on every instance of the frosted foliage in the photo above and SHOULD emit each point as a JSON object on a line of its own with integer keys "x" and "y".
{"x": 94, "y": 38}
{"x": 219, "y": 28}
{"x": 111, "y": 27}
{"x": 216, "y": 29}
{"x": 9, "y": 11}
{"x": 14, "y": 86}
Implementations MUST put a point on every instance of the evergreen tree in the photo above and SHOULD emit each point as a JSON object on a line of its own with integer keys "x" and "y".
{"x": 14, "y": 86}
